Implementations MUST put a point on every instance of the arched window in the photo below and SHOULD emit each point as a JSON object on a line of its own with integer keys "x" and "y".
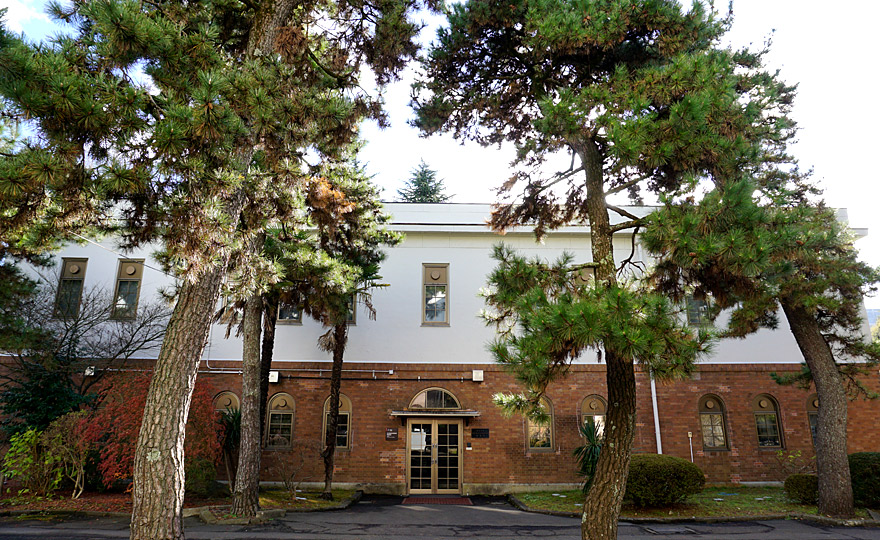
{"x": 280, "y": 421}
{"x": 540, "y": 434}
{"x": 343, "y": 426}
{"x": 712, "y": 422}
{"x": 226, "y": 401}
{"x": 434, "y": 398}
{"x": 813, "y": 415}
{"x": 767, "y": 421}
{"x": 593, "y": 410}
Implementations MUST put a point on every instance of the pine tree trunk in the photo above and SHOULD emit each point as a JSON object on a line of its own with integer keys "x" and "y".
{"x": 157, "y": 498}
{"x": 835, "y": 487}
{"x": 245, "y": 497}
{"x": 270, "y": 318}
{"x": 158, "y": 462}
{"x": 340, "y": 338}
{"x": 605, "y": 497}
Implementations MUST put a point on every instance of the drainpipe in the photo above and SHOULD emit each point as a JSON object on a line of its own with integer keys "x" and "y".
{"x": 656, "y": 414}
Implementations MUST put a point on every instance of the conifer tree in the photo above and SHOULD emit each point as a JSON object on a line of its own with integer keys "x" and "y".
{"x": 642, "y": 97}
{"x": 786, "y": 254}
{"x": 351, "y": 229}
{"x": 423, "y": 186}
{"x": 200, "y": 157}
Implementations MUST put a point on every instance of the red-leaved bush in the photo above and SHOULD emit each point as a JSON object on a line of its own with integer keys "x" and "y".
{"x": 114, "y": 426}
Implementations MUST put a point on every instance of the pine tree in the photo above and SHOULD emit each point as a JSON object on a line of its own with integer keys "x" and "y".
{"x": 757, "y": 259}
{"x": 423, "y": 186}
{"x": 200, "y": 159}
{"x": 352, "y": 230}
{"x": 642, "y": 97}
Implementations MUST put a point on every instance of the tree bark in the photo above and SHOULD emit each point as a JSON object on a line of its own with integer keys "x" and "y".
{"x": 270, "y": 317}
{"x": 340, "y": 338}
{"x": 157, "y": 498}
{"x": 158, "y": 462}
{"x": 832, "y": 464}
{"x": 245, "y": 497}
{"x": 605, "y": 497}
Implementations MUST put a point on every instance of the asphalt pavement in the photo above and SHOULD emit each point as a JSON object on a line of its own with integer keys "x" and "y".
{"x": 384, "y": 518}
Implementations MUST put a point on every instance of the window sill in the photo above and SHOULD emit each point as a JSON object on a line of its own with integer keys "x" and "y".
{"x": 284, "y": 322}
{"x": 440, "y": 324}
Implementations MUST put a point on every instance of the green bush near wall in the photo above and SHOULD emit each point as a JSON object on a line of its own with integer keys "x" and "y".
{"x": 864, "y": 469}
{"x": 660, "y": 480}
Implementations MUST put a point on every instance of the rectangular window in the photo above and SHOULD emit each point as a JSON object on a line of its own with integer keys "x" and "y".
{"x": 768, "y": 430}
{"x": 712, "y": 425}
{"x": 128, "y": 284}
{"x": 436, "y": 294}
{"x": 813, "y": 418}
{"x": 598, "y": 421}
{"x": 289, "y": 313}
{"x": 697, "y": 311}
{"x": 351, "y": 315}
{"x": 540, "y": 435}
{"x": 341, "y": 429}
{"x": 280, "y": 430}
{"x": 70, "y": 288}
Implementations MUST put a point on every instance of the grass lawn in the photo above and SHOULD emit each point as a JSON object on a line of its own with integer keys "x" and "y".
{"x": 281, "y": 498}
{"x": 713, "y": 501}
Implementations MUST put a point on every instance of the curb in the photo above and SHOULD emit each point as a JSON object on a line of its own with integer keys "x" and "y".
{"x": 341, "y": 506}
{"x": 263, "y": 516}
{"x": 822, "y": 520}
{"x": 64, "y": 513}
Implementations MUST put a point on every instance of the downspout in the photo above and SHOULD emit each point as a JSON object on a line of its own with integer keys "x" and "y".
{"x": 653, "y": 384}
{"x": 656, "y": 414}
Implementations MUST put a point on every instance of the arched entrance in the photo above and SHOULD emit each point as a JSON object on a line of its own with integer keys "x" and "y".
{"x": 434, "y": 433}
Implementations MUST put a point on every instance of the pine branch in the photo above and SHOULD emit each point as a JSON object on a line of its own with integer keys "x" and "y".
{"x": 627, "y": 225}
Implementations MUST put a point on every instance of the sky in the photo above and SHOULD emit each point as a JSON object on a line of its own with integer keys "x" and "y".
{"x": 819, "y": 45}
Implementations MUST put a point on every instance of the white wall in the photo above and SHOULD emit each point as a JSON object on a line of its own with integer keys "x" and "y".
{"x": 453, "y": 234}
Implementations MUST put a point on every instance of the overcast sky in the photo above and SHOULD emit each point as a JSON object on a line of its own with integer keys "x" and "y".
{"x": 822, "y": 46}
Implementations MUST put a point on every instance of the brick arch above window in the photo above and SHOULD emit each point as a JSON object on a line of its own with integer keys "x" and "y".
{"x": 540, "y": 436}
{"x": 343, "y": 427}
{"x": 594, "y": 408}
{"x": 713, "y": 422}
{"x": 226, "y": 401}
{"x": 280, "y": 414}
{"x": 767, "y": 422}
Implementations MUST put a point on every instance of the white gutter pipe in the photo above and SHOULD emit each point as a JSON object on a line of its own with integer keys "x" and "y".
{"x": 656, "y": 415}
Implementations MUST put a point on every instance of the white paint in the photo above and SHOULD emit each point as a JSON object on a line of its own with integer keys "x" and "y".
{"x": 656, "y": 415}
{"x": 454, "y": 234}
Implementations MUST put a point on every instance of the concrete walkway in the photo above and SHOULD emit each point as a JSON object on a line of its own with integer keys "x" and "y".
{"x": 383, "y": 518}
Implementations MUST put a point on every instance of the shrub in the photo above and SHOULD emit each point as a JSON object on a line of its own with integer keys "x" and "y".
{"x": 660, "y": 480}
{"x": 201, "y": 477}
{"x": 66, "y": 441}
{"x": 115, "y": 425}
{"x": 29, "y": 460}
{"x": 588, "y": 455}
{"x": 864, "y": 467}
{"x": 802, "y": 488}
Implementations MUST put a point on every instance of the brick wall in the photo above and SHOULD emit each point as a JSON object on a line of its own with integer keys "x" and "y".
{"x": 503, "y": 458}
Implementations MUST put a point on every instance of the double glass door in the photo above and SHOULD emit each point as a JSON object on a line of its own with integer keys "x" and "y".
{"x": 434, "y": 456}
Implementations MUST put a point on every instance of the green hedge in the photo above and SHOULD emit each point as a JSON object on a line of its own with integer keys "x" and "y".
{"x": 660, "y": 480}
{"x": 864, "y": 468}
{"x": 802, "y": 488}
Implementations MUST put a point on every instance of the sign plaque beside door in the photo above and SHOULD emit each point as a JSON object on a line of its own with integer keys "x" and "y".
{"x": 391, "y": 434}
